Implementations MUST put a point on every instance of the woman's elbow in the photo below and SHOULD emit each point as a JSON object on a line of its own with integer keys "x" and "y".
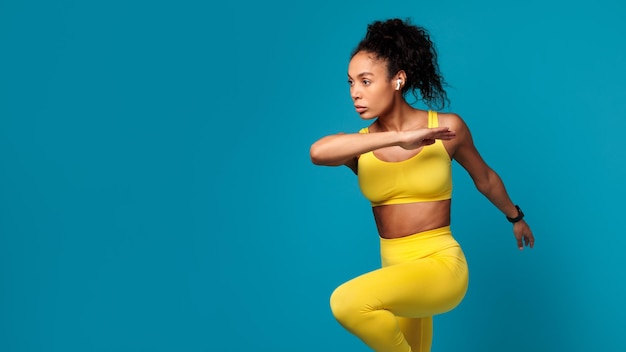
{"x": 321, "y": 155}
{"x": 316, "y": 155}
{"x": 482, "y": 187}
{"x": 486, "y": 182}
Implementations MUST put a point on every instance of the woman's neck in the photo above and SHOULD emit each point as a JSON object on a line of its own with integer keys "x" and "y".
{"x": 400, "y": 119}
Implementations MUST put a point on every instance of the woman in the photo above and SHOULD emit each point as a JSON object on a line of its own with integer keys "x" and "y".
{"x": 403, "y": 163}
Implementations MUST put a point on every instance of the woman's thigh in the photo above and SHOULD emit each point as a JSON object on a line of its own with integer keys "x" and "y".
{"x": 419, "y": 288}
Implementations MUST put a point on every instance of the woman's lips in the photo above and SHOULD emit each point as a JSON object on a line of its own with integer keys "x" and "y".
{"x": 360, "y": 109}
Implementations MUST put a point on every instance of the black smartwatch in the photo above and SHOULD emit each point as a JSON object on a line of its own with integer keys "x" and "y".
{"x": 520, "y": 216}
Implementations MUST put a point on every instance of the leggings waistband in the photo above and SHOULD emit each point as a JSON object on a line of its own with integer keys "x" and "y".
{"x": 417, "y": 246}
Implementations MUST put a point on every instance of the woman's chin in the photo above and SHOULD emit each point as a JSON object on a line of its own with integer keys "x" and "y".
{"x": 366, "y": 115}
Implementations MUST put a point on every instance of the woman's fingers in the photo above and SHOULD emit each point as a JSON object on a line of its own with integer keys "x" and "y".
{"x": 443, "y": 133}
{"x": 425, "y": 136}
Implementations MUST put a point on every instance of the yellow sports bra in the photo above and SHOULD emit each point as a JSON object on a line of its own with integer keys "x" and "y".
{"x": 425, "y": 177}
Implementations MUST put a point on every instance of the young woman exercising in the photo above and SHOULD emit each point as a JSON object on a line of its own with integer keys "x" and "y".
{"x": 403, "y": 163}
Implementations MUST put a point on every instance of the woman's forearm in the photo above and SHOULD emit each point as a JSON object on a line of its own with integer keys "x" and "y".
{"x": 338, "y": 149}
{"x": 495, "y": 191}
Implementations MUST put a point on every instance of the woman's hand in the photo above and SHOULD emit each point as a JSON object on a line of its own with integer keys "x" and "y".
{"x": 424, "y": 136}
{"x": 523, "y": 234}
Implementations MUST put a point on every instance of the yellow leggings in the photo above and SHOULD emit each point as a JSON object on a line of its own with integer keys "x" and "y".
{"x": 391, "y": 309}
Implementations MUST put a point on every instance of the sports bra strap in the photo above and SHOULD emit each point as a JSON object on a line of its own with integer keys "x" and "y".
{"x": 432, "y": 119}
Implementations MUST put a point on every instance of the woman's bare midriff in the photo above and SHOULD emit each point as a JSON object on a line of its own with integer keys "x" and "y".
{"x": 399, "y": 220}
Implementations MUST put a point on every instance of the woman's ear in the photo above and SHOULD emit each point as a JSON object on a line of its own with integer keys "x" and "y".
{"x": 400, "y": 79}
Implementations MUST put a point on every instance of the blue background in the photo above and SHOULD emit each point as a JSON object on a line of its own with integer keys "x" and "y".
{"x": 156, "y": 192}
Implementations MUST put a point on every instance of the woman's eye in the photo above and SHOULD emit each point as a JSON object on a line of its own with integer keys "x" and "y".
{"x": 350, "y": 82}
{"x": 366, "y": 82}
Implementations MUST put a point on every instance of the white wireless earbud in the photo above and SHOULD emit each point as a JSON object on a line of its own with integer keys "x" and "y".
{"x": 399, "y": 82}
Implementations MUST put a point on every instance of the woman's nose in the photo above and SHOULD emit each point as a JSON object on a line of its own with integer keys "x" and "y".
{"x": 355, "y": 93}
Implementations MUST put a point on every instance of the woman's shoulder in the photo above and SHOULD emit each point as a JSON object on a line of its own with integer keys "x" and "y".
{"x": 452, "y": 120}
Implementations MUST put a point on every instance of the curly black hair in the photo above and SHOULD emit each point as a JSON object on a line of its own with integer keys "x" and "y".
{"x": 407, "y": 47}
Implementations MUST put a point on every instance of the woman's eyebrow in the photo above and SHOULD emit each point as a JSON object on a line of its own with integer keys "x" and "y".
{"x": 363, "y": 74}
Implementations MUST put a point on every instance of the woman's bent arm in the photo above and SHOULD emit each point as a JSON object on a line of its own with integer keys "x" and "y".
{"x": 490, "y": 184}
{"x": 341, "y": 148}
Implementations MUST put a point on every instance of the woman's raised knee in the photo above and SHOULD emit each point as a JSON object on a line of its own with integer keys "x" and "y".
{"x": 344, "y": 305}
